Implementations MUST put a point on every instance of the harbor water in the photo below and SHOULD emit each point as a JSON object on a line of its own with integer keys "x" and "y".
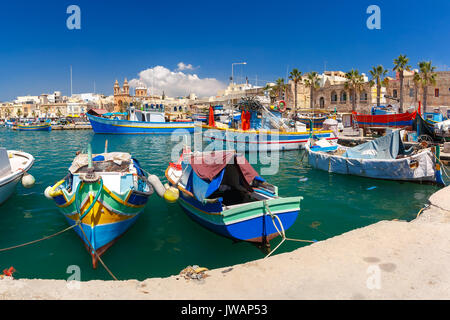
{"x": 164, "y": 240}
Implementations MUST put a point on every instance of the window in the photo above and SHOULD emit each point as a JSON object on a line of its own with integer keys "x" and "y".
{"x": 394, "y": 93}
{"x": 363, "y": 96}
{"x": 343, "y": 96}
{"x": 411, "y": 92}
{"x": 333, "y": 97}
{"x": 436, "y": 93}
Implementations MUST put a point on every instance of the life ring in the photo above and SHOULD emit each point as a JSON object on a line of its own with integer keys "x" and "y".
{"x": 282, "y": 106}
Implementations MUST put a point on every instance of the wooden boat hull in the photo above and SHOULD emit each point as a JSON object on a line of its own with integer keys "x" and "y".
{"x": 253, "y": 141}
{"x": 111, "y": 216}
{"x": 317, "y": 122}
{"x": 400, "y": 120}
{"x": 44, "y": 127}
{"x": 250, "y": 222}
{"x": 110, "y": 126}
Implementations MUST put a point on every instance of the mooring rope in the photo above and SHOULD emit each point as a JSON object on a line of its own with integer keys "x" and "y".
{"x": 78, "y": 223}
{"x": 282, "y": 233}
{"x": 442, "y": 166}
{"x": 420, "y": 211}
{"x": 81, "y": 217}
{"x": 38, "y": 240}
{"x": 98, "y": 256}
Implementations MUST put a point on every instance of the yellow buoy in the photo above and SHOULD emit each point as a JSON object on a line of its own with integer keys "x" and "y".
{"x": 171, "y": 195}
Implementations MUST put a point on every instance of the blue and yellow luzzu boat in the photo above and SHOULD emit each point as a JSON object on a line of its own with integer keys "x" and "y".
{"x": 222, "y": 192}
{"x": 33, "y": 127}
{"x": 148, "y": 121}
{"x": 104, "y": 195}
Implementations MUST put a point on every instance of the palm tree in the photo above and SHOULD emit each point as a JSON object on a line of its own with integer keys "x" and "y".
{"x": 417, "y": 81}
{"x": 280, "y": 87}
{"x": 19, "y": 112}
{"x": 137, "y": 104}
{"x": 428, "y": 77}
{"x": 271, "y": 91}
{"x": 312, "y": 81}
{"x": 400, "y": 65}
{"x": 354, "y": 83}
{"x": 296, "y": 77}
{"x": 377, "y": 74}
{"x": 124, "y": 106}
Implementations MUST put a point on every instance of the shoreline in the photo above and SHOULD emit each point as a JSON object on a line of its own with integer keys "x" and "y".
{"x": 386, "y": 260}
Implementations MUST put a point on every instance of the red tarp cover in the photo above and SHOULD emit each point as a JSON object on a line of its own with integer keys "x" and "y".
{"x": 209, "y": 164}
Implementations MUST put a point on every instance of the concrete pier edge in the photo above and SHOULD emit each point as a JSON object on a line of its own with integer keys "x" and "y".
{"x": 385, "y": 260}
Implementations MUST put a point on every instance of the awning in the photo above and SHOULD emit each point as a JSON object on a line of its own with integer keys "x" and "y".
{"x": 97, "y": 112}
{"x": 208, "y": 169}
{"x": 109, "y": 114}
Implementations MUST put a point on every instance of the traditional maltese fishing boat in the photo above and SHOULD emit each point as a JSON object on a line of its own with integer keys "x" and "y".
{"x": 102, "y": 195}
{"x": 261, "y": 129}
{"x": 385, "y": 117}
{"x": 13, "y": 167}
{"x": 383, "y": 158}
{"x": 33, "y": 127}
{"x": 222, "y": 192}
{"x": 150, "y": 120}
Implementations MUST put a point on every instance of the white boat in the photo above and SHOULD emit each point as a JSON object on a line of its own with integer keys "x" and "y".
{"x": 13, "y": 166}
{"x": 383, "y": 158}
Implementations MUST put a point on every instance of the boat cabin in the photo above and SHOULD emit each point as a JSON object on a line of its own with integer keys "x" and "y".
{"x": 154, "y": 113}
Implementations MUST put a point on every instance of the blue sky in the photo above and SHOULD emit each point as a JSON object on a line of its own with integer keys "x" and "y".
{"x": 122, "y": 38}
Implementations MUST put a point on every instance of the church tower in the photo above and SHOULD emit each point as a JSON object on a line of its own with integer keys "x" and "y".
{"x": 126, "y": 87}
{"x": 116, "y": 88}
{"x": 122, "y": 97}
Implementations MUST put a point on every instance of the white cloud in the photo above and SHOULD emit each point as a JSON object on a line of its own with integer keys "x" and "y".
{"x": 177, "y": 83}
{"x": 182, "y": 66}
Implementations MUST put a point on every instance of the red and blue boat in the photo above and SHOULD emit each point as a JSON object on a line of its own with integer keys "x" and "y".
{"x": 222, "y": 192}
{"x": 385, "y": 119}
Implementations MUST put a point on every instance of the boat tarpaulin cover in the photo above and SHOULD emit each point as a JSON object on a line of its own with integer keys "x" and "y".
{"x": 208, "y": 169}
{"x": 387, "y": 147}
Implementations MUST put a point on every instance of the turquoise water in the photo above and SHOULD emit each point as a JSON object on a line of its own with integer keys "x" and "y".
{"x": 164, "y": 240}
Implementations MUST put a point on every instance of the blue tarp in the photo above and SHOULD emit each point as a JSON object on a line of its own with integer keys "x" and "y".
{"x": 387, "y": 147}
{"x": 203, "y": 189}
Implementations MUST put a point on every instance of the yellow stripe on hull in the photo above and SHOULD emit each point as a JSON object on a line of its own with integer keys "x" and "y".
{"x": 99, "y": 214}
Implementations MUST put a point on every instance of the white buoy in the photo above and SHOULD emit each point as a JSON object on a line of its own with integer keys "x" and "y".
{"x": 157, "y": 185}
{"x": 47, "y": 193}
{"x": 28, "y": 180}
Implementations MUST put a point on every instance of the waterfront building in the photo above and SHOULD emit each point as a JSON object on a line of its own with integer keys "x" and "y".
{"x": 438, "y": 95}
{"x": 123, "y": 97}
